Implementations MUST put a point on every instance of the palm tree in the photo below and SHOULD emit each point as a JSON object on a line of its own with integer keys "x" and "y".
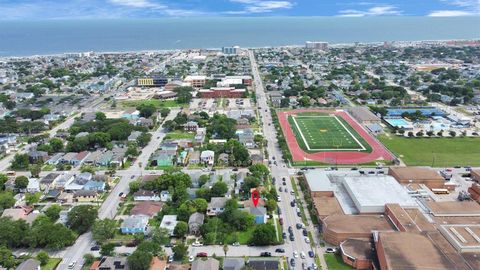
{"x": 225, "y": 249}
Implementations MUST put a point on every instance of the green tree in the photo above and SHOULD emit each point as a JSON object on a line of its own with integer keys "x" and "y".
{"x": 179, "y": 251}
{"x": 81, "y": 218}
{"x": 184, "y": 94}
{"x": 21, "y": 182}
{"x": 203, "y": 179}
{"x": 43, "y": 257}
{"x": 35, "y": 170}
{"x": 100, "y": 116}
{"x": 88, "y": 258}
{"x": 20, "y": 162}
{"x": 104, "y": 229}
{"x": 134, "y": 186}
{"x": 161, "y": 236}
{"x": 6, "y": 258}
{"x": 107, "y": 249}
{"x": 3, "y": 180}
{"x": 219, "y": 189}
{"x": 32, "y": 198}
{"x": 144, "y": 139}
{"x": 181, "y": 229}
{"x": 6, "y": 200}
{"x": 53, "y": 212}
{"x": 259, "y": 170}
{"x": 146, "y": 110}
{"x": 56, "y": 144}
{"x": 263, "y": 235}
{"x": 164, "y": 112}
{"x": 139, "y": 260}
{"x": 200, "y": 205}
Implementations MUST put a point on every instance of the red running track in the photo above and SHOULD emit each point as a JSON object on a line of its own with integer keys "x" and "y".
{"x": 379, "y": 152}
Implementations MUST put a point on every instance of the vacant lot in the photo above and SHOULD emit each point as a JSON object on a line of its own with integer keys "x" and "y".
{"x": 435, "y": 152}
{"x": 156, "y": 102}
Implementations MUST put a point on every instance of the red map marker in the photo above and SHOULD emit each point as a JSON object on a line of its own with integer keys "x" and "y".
{"x": 255, "y": 197}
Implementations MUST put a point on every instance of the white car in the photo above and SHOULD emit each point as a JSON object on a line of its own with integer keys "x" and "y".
{"x": 191, "y": 258}
{"x": 295, "y": 254}
{"x": 72, "y": 265}
{"x": 331, "y": 250}
{"x": 302, "y": 255}
{"x": 197, "y": 244}
{"x": 307, "y": 240}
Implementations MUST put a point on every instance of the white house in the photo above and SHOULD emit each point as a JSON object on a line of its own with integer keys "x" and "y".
{"x": 216, "y": 206}
{"x": 169, "y": 222}
{"x": 207, "y": 157}
{"x": 33, "y": 185}
{"x": 146, "y": 195}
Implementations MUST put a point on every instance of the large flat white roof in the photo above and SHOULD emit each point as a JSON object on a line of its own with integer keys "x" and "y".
{"x": 318, "y": 181}
{"x": 371, "y": 193}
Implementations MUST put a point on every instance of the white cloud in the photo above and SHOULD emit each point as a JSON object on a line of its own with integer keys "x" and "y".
{"x": 257, "y": 6}
{"x": 137, "y": 3}
{"x": 467, "y": 8}
{"x": 450, "y": 13}
{"x": 373, "y": 11}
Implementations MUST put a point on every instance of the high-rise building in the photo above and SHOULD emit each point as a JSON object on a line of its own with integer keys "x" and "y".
{"x": 316, "y": 45}
{"x": 230, "y": 50}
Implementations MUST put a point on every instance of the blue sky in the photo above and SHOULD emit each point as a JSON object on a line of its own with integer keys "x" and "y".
{"x": 100, "y": 9}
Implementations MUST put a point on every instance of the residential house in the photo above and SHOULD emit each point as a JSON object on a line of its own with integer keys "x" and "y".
{"x": 98, "y": 186}
{"x": 200, "y": 135}
{"x": 169, "y": 222}
{"x": 52, "y": 195}
{"x": 223, "y": 158}
{"x": 145, "y": 122}
{"x": 79, "y": 158}
{"x": 149, "y": 209}
{"x": 93, "y": 158}
{"x": 85, "y": 196}
{"x": 260, "y": 214}
{"x": 65, "y": 198}
{"x": 81, "y": 134}
{"x": 182, "y": 158}
{"x": 21, "y": 213}
{"x": 194, "y": 158}
{"x": 162, "y": 158}
{"x": 134, "y": 136}
{"x": 63, "y": 179}
{"x": 145, "y": 195}
{"x": 263, "y": 264}
{"x": 33, "y": 185}
{"x": 256, "y": 159}
{"x": 68, "y": 158}
{"x": 118, "y": 156}
{"x": 55, "y": 159}
{"x": 246, "y": 137}
{"x": 131, "y": 113}
{"x": 195, "y": 222}
{"x": 191, "y": 126}
{"x": 105, "y": 159}
{"x": 233, "y": 263}
{"x": 208, "y": 264}
{"x": 37, "y": 156}
{"x": 30, "y": 264}
{"x": 216, "y": 206}
{"x": 113, "y": 263}
{"x": 78, "y": 182}
{"x": 207, "y": 157}
{"x": 165, "y": 196}
{"x": 48, "y": 181}
{"x": 134, "y": 224}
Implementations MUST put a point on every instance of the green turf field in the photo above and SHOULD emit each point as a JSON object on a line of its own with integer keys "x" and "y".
{"x": 435, "y": 152}
{"x": 322, "y": 132}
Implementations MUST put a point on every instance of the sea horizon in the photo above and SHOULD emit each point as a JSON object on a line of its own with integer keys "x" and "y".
{"x": 54, "y": 37}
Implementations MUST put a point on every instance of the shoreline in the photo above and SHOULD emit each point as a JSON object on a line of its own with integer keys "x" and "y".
{"x": 334, "y": 45}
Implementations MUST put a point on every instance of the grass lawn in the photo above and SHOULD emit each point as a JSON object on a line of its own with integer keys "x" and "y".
{"x": 321, "y": 132}
{"x": 242, "y": 237}
{"x": 179, "y": 135}
{"x": 52, "y": 264}
{"x": 435, "y": 152}
{"x": 299, "y": 202}
{"x": 48, "y": 167}
{"x": 156, "y": 102}
{"x": 334, "y": 262}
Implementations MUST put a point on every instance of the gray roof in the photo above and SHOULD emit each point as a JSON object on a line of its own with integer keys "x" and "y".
{"x": 318, "y": 181}
{"x": 258, "y": 211}
{"x": 263, "y": 264}
{"x": 217, "y": 202}
{"x": 136, "y": 221}
{"x": 196, "y": 218}
{"x": 30, "y": 264}
{"x": 114, "y": 263}
{"x": 233, "y": 264}
{"x": 209, "y": 264}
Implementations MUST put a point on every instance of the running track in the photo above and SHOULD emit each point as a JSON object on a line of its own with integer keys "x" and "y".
{"x": 379, "y": 152}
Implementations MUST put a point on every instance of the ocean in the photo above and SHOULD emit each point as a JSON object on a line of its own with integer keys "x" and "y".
{"x": 23, "y": 38}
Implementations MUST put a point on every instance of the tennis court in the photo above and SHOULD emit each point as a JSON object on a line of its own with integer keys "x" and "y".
{"x": 325, "y": 132}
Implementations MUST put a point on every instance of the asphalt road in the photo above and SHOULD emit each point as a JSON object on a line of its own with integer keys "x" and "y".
{"x": 280, "y": 171}
{"x": 109, "y": 207}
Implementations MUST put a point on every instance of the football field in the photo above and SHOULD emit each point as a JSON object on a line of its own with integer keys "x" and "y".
{"x": 324, "y": 132}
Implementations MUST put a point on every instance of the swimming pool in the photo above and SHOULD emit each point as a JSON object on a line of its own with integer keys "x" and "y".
{"x": 399, "y": 122}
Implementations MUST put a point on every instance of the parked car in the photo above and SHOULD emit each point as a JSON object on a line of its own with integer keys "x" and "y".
{"x": 305, "y": 233}
{"x": 280, "y": 250}
{"x": 311, "y": 254}
{"x": 284, "y": 235}
{"x": 292, "y": 237}
{"x": 191, "y": 259}
{"x": 266, "y": 254}
{"x": 236, "y": 244}
{"x": 72, "y": 265}
{"x": 280, "y": 220}
{"x": 302, "y": 254}
{"x": 292, "y": 262}
{"x": 307, "y": 240}
{"x": 202, "y": 254}
{"x": 330, "y": 250}
{"x": 170, "y": 258}
{"x": 295, "y": 254}
{"x": 95, "y": 248}
{"x": 299, "y": 225}
{"x": 197, "y": 244}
